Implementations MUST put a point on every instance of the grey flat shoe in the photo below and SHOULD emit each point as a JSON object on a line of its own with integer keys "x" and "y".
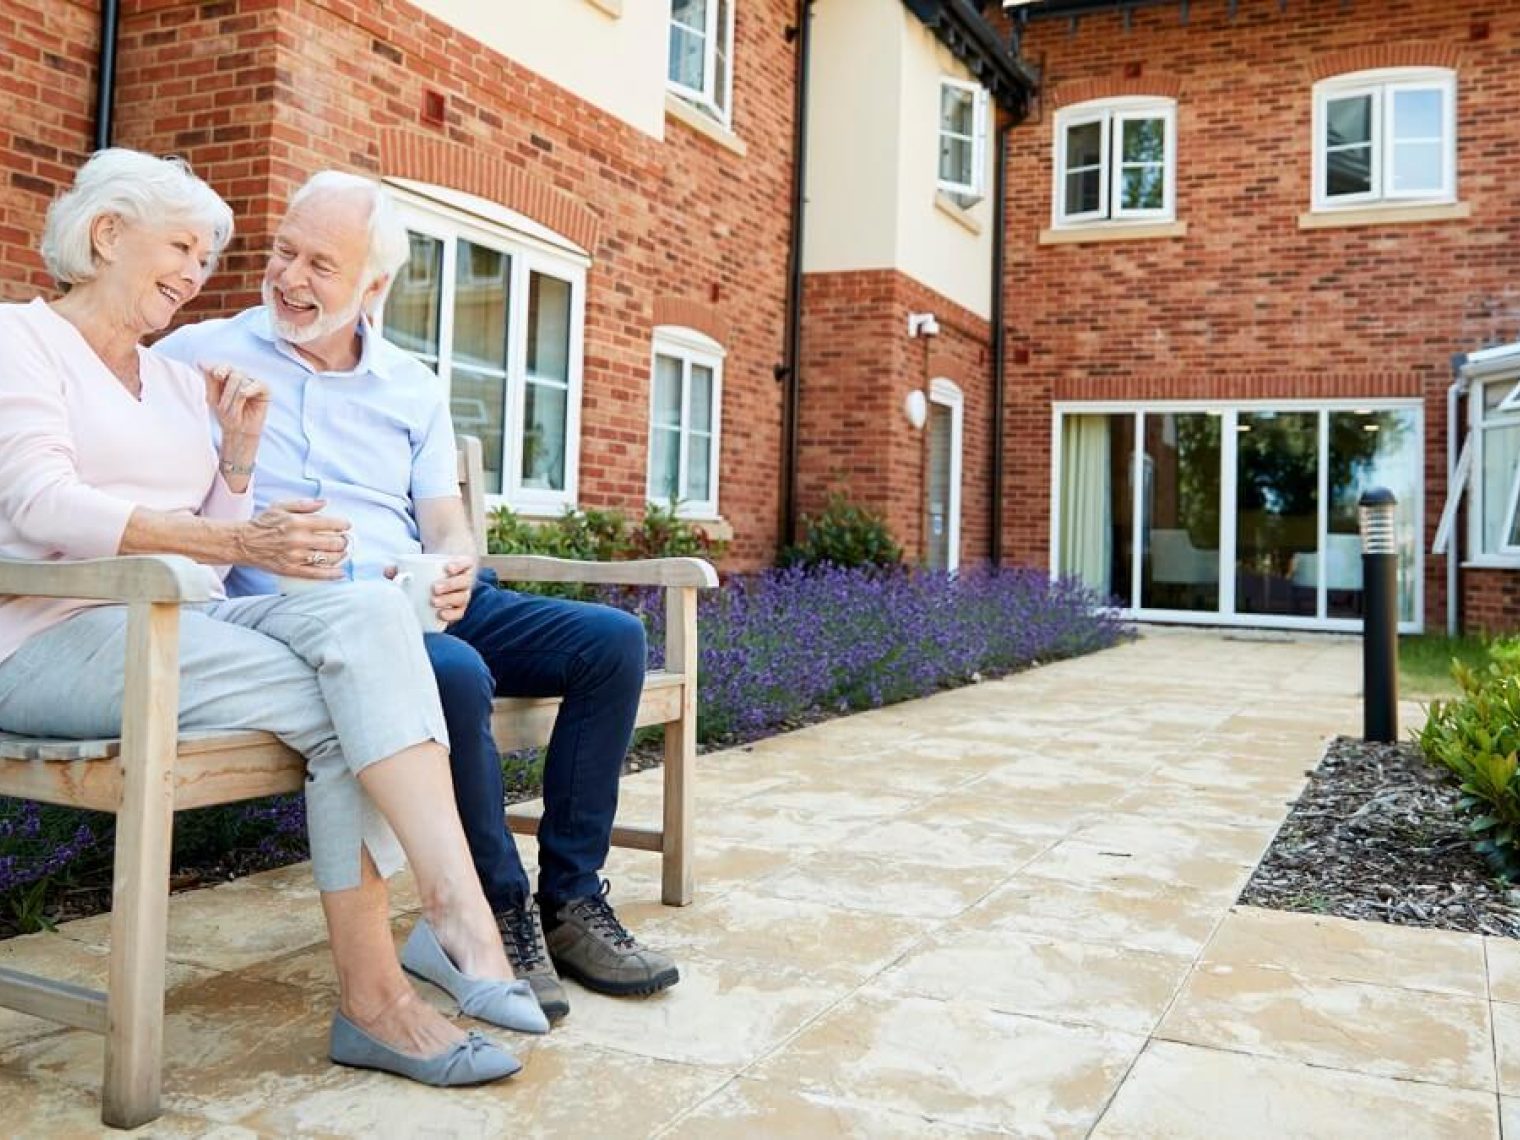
{"x": 510, "y": 1005}
{"x": 474, "y": 1061}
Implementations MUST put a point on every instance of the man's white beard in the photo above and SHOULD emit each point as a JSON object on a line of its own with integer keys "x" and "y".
{"x": 325, "y": 324}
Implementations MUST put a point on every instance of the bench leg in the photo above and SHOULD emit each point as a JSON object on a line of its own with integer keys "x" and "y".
{"x": 140, "y": 884}
{"x": 680, "y": 758}
{"x": 677, "y": 880}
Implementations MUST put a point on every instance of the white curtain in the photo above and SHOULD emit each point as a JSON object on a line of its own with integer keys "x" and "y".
{"x": 1087, "y": 502}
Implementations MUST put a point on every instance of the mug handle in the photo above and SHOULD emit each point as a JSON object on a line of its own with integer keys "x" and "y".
{"x": 402, "y": 578}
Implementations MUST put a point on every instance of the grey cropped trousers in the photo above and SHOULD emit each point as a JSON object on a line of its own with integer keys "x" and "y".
{"x": 339, "y": 674}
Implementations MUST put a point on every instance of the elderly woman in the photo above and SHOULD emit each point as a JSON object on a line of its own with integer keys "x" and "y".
{"x": 106, "y": 448}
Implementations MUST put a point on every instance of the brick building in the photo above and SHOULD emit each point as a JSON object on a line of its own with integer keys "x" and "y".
{"x": 1246, "y": 241}
{"x": 1242, "y": 242}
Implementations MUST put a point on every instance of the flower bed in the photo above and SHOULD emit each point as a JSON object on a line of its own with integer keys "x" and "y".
{"x": 777, "y": 649}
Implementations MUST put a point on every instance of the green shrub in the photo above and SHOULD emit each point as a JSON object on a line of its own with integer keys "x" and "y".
{"x": 598, "y": 536}
{"x": 1477, "y": 737}
{"x": 844, "y": 535}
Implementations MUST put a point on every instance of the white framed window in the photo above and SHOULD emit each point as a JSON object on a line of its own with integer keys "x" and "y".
{"x": 1385, "y": 136}
{"x": 1116, "y": 161}
{"x": 498, "y": 312}
{"x": 962, "y": 139}
{"x": 701, "y": 54}
{"x": 1494, "y": 509}
{"x": 685, "y": 418}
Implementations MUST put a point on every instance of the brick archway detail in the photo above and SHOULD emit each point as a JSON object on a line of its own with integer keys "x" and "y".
{"x": 705, "y": 319}
{"x": 405, "y": 154}
{"x": 1377, "y": 56}
{"x": 943, "y": 366}
{"x": 1114, "y": 86}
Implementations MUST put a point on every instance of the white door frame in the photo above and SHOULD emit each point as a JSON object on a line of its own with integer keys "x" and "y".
{"x": 947, "y": 394}
{"x": 1229, "y": 410}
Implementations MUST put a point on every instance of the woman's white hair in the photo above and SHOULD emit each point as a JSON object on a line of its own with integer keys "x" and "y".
{"x": 388, "y": 246}
{"x": 137, "y": 188}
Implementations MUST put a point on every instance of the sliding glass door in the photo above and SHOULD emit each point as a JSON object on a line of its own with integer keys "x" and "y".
{"x": 1242, "y": 514}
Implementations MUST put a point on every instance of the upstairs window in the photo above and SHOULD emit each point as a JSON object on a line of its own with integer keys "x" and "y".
{"x": 1116, "y": 161}
{"x": 1385, "y": 137}
{"x": 701, "y": 54}
{"x": 686, "y": 400}
{"x": 962, "y": 140}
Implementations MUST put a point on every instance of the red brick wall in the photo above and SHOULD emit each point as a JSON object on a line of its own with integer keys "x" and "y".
{"x": 48, "y": 50}
{"x": 858, "y": 366}
{"x": 1247, "y": 304}
{"x": 259, "y": 93}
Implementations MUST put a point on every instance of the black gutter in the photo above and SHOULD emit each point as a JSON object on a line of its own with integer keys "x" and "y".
{"x": 962, "y": 28}
{"x": 105, "y": 77}
{"x": 1071, "y": 9}
{"x": 999, "y": 341}
{"x": 789, "y": 372}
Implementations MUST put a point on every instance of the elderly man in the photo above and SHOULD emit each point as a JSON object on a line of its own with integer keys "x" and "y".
{"x": 358, "y": 423}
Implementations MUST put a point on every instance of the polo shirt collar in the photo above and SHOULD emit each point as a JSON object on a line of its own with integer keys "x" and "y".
{"x": 370, "y": 357}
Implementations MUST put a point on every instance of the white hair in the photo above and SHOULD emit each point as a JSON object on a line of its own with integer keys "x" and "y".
{"x": 388, "y": 245}
{"x": 137, "y": 188}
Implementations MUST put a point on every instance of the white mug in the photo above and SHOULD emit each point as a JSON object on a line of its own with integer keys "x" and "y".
{"x": 290, "y": 584}
{"x": 415, "y": 575}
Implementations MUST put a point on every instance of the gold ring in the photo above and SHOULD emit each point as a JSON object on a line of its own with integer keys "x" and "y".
{"x": 318, "y": 558}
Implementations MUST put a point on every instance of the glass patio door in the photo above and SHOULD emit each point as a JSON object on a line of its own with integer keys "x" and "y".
{"x": 1246, "y": 515}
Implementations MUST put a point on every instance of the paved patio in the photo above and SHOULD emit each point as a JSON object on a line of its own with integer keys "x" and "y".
{"x": 1002, "y": 910}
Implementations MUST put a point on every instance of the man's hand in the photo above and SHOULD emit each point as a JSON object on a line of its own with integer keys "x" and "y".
{"x": 451, "y": 593}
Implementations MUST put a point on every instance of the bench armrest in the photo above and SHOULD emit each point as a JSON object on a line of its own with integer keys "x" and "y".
{"x": 130, "y": 578}
{"x": 696, "y": 572}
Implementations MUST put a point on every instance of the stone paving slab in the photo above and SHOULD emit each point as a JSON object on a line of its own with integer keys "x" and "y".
{"x": 1003, "y": 910}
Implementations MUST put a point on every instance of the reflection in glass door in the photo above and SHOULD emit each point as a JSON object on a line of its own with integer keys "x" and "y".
{"x": 1180, "y": 500}
{"x": 1277, "y": 507}
{"x": 1267, "y": 495}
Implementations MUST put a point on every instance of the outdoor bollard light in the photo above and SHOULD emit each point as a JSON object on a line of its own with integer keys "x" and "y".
{"x": 1380, "y": 616}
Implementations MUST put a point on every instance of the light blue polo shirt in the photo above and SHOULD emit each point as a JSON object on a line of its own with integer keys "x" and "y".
{"x": 371, "y": 441}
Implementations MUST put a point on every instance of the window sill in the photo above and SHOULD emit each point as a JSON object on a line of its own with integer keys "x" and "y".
{"x": 1113, "y": 231}
{"x": 1384, "y": 216}
{"x": 957, "y": 213}
{"x": 613, "y": 8}
{"x": 703, "y": 123}
{"x": 718, "y": 529}
{"x": 1492, "y": 562}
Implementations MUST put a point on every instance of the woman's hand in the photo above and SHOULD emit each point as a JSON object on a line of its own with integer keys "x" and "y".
{"x": 293, "y": 538}
{"x": 239, "y": 402}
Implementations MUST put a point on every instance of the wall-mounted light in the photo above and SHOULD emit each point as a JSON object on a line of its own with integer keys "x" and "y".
{"x": 922, "y": 324}
{"x": 916, "y": 408}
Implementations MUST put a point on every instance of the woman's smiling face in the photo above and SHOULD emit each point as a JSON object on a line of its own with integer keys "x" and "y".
{"x": 154, "y": 269}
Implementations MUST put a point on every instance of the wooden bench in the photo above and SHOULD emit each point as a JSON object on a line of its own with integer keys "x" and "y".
{"x": 151, "y": 772}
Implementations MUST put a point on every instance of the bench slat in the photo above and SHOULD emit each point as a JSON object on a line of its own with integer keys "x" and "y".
{"x": 62, "y": 1002}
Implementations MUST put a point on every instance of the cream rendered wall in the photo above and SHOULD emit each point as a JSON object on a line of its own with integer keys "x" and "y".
{"x": 615, "y": 62}
{"x": 932, "y": 245}
{"x": 852, "y": 154}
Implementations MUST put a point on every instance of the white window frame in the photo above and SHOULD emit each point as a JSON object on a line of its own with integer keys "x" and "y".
{"x": 1111, "y": 114}
{"x": 1506, "y": 413}
{"x": 690, "y": 347}
{"x": 529, "y": 249}
{"x": 718, "y": 104}
{"x": 1382, "y": 86}
{"x": 976, "y": 188}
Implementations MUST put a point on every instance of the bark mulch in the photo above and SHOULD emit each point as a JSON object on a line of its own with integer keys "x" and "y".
{"x": 1377, "y": 835}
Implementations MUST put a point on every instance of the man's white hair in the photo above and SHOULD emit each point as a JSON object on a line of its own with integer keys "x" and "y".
{"x": 388, "y": 246}
{"x": 137, "y": 188}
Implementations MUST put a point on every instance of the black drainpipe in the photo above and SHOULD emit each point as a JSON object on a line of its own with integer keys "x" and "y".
{"x": 789, "y": 372}
{"x": 999, "y": 341}
{"x": 105, "y": 86}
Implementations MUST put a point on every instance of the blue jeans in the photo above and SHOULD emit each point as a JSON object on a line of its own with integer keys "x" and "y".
{"x": 523, "y": 645}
